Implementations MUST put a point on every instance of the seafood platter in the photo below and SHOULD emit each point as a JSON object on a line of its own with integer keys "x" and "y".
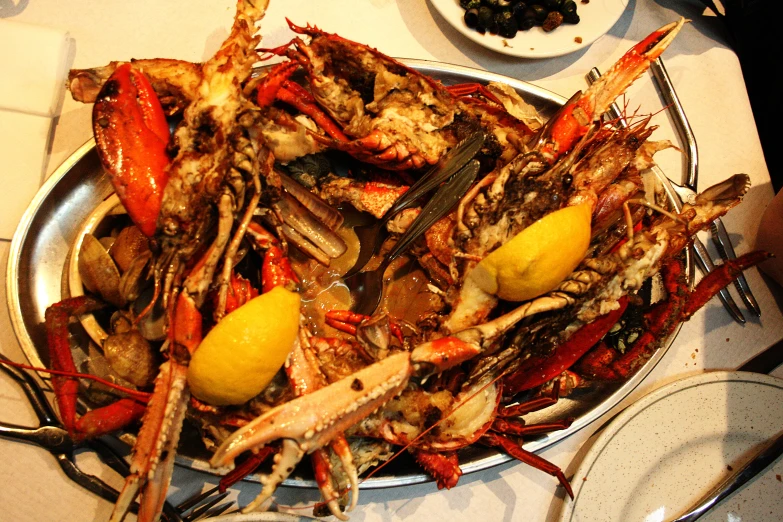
{"x": 200, "y": 303}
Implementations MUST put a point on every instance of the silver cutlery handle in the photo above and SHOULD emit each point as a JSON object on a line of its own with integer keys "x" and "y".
{"x": 687, "y": 137}
{"x": 443, "y": 200}
{"x": 439, "y": 173}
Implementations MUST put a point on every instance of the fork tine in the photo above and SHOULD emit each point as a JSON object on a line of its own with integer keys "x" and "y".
{"x": 201, "y": 510}
{"x": 192, "y": 501}
{"x": 723, "y": 243}
{"x": 220, "y": 509}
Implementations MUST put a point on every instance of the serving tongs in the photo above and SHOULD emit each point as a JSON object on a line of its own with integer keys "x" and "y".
{"x": 54, "y": 438}
{"x": 371, "y": 236}
{"x": 720, "y": 236}
{"x": 366, "y": 287}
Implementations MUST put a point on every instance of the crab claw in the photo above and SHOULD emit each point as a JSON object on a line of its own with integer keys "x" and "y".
{"x": 131, "y": 133}
{"x": 311, "y": 421}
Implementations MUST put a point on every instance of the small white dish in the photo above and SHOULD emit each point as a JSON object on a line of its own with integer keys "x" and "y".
{"x": 664, "y": 452}
{"x": 596, "y": 18}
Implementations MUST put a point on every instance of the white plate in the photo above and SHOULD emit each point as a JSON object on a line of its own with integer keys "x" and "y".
{"x": 596, "y": 18}
{"x": 667, "y": 450}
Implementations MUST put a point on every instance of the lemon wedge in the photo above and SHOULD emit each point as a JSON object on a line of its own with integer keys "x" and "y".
{"x": 537, "y": 259}
{"x": 239, "y": 357}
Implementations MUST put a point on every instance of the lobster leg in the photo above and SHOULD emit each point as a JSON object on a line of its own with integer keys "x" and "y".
{"x": 538, "y": 370}
{"x": 466, "y": 89}
{"x": 514, "y": 449}
{"x": 156, "y": 445}
{"x": 98, "y": 421}
{"x": 444, "y": 467}
{"x": 276, "y": 269}
{"x": 347, "y": 321}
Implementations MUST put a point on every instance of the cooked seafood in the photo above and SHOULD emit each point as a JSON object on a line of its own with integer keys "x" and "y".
{"x": 442, "y": 366}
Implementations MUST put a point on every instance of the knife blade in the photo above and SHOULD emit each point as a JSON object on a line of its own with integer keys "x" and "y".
{"x": 736, "y": 480}
{"x": 764, "y": 362}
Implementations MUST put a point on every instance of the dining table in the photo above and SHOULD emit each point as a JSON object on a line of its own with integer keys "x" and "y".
{"x": 707, "y": 76}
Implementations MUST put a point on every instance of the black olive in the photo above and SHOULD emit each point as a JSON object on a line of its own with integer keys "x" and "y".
{"x": 540, "y": 12}
{"x": 507, "y": 24}
{"x": 570, "y": 18}
{"x": 470, "y": 4}
{"x": 553, "y": 5}
{"x": 569, "y": 6}
{"x": 526, "y": 24}
{"x": 485, "y": 18}
{"x": 518, "y": 10}
{"x": 471, "y": 18}
{"x": 503, "y": 4}
{"x": 491, "y": 3}
{"x": 567, "y": 180}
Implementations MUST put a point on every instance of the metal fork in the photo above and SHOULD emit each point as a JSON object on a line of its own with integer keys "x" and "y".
{"x": 51, "y": 436}
{"x": 702, "y": 256}
{"x": 720, "y": 236}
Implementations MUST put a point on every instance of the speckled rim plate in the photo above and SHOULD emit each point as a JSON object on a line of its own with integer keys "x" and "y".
{"x": 41, "y": 246}
{"x": 666, "y": 450}
{"x": 596, "y": 19}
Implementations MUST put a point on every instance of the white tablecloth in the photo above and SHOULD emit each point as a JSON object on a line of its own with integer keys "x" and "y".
{"x": 705, "y": 72}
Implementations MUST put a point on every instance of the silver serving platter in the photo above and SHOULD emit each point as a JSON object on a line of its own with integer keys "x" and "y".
{"x": 39, "y": 256}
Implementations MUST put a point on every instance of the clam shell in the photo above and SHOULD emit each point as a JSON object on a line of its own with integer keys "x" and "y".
{"x": 99, "y": 272}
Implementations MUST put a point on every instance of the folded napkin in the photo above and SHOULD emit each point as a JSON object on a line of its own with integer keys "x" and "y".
{"x": 33, "y": 65}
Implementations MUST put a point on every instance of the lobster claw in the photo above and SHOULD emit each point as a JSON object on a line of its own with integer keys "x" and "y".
{"x": 132, "y": 134}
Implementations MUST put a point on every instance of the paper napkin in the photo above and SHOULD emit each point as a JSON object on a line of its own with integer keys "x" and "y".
{"x": 33, "y": 64}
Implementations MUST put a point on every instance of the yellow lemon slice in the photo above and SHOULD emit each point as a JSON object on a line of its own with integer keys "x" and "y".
{"x": 537, "y": 259}
{"x": 239, "y": 357}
